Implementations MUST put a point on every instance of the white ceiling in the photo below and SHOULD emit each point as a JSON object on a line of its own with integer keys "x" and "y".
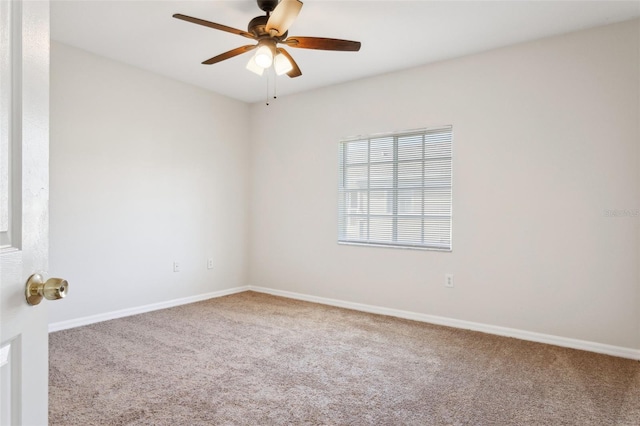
{"x": 394, "y": 35}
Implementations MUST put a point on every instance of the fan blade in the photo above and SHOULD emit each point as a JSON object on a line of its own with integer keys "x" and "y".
{"x": 283, "y": 16}
{"x": 323, "y": 43}
{"x": 295, "y": 72}
{"x": 230, "y": 54}
{"x": 214, "y": 25}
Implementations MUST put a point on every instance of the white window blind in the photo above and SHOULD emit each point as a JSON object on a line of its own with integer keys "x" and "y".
{"x": 395, "y": 190}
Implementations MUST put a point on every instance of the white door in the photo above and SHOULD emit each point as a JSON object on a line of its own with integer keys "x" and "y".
{"x": 24, "y": 194}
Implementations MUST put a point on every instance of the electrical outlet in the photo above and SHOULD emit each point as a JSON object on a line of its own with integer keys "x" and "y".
{"x": 176, "y": 267}
{"x": 448, "y": 280}
{"x": 210, "y": 263}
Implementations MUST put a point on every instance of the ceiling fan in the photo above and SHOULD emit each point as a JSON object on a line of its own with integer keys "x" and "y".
{"x": 269, "y": 31}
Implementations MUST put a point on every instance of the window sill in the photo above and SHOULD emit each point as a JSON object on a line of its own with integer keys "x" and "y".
{"x": 349, "y": 243}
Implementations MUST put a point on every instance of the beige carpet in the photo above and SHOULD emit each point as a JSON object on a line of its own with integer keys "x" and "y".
{"x": 253, "y": 359}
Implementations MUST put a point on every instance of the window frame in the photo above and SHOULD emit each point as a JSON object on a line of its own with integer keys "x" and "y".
{"x": 395, "y": 190}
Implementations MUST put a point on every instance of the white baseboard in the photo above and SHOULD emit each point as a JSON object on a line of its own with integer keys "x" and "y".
{"x": 584, "y": 345}
{"x": 78, "y": 322}
{"x": 432, "y": 319}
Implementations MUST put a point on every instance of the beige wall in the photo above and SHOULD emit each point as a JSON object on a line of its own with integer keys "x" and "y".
{"x": 546, "y": 139}
{"x": 145, "y": 171}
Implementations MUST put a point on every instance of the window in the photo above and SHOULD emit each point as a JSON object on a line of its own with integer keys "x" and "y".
{"x": 395, "y": 190}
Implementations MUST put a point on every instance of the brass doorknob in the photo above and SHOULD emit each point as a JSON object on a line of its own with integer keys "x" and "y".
{"x": 52, "y": 289}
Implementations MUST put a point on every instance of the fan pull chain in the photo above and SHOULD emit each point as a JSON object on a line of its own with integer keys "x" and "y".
{"x": 267, "y": 89}
{"x": 275, "y": 86}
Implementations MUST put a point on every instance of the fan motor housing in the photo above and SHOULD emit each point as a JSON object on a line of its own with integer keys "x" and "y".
{"x": 257, "y": 26}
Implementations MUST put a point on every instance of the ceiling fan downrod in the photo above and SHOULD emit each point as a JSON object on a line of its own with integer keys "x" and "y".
{"x": 267, "y": 5}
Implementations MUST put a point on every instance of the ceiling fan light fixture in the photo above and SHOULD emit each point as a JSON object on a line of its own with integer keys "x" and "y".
{"x": 254, "y": 67}
{"x": 268, "y": 31}
{"x": 264, "y": 56}
{"x": 282, "y": 64}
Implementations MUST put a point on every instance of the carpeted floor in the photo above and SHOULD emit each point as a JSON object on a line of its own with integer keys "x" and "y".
{"x": 254, "y": 359}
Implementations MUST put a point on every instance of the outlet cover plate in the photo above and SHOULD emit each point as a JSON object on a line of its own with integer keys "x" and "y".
{"x": 448, "y": 280}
